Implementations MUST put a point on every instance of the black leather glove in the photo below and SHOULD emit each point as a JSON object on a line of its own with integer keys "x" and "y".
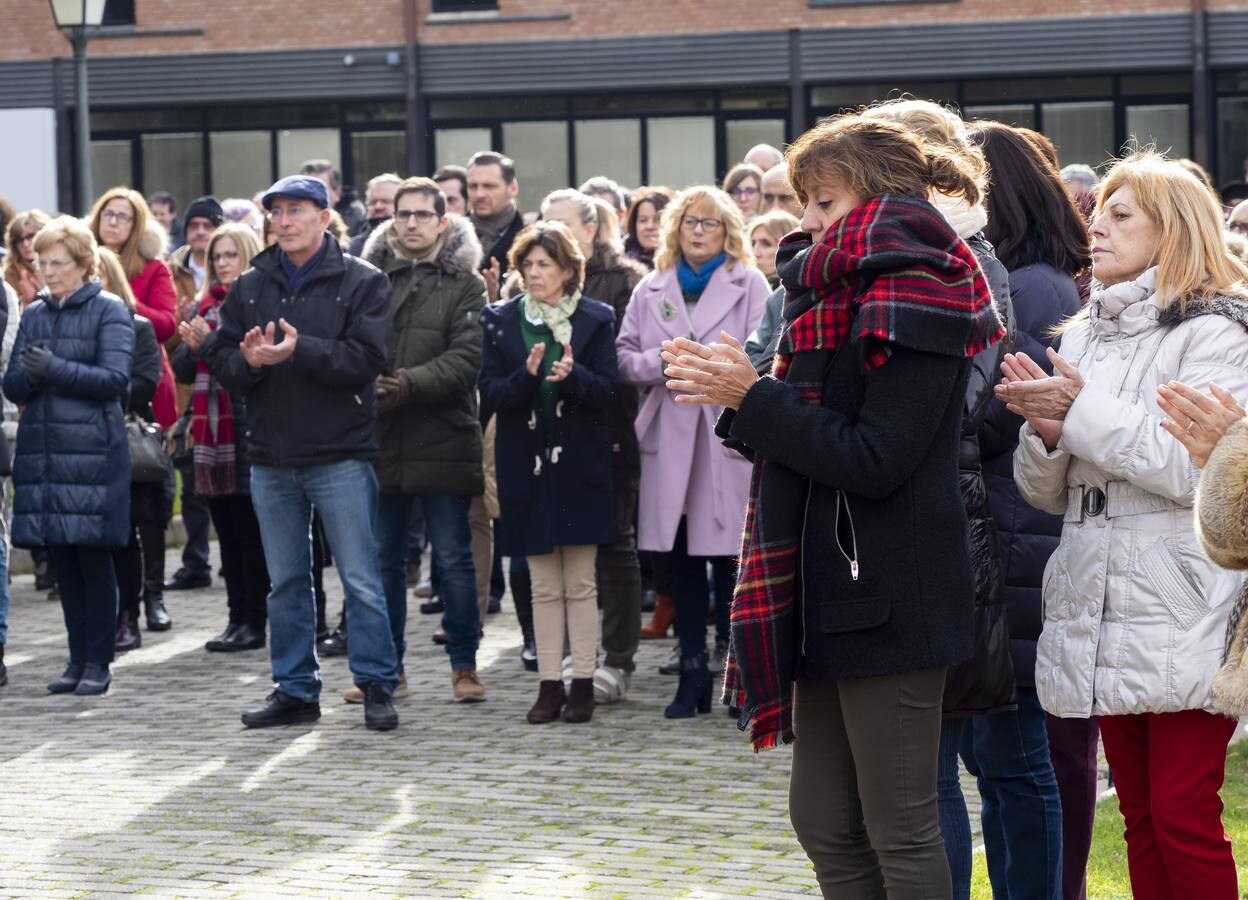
{"x": 387, "y": 393}
{"x": 36, "y": 362}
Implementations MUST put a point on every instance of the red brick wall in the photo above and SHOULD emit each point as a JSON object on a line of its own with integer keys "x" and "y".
{"x": 28, "y": 32}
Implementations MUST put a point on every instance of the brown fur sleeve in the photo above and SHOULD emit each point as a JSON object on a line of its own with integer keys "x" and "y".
{"x": 1222, "y": 500}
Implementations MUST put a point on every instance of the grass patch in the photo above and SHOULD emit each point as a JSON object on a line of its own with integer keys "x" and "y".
{"x": 1107, "y": 864}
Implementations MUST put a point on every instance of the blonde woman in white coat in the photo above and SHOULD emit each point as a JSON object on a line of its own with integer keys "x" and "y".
{"x": 1135, "y": 614}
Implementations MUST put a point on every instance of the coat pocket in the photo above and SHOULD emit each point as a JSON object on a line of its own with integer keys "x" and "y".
{"x": 1174, "y": 582}
{"x": 840, "y": 616}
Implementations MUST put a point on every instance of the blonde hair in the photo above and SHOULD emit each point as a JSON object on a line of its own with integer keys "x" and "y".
{"x": 872, "y": 155}
{"x": 245, "y": 242}
{"x": 113, "y": 276}
{"x": 1192, "y": 258}
{"x": 131, "y": 259}
{"x": 75, "y": 237}
{"x": 939, "y": 127}
{"x": 735, "y": 244}
{"x": 777, "y": 222}
{"x": 608, "y": 233}
{"x": 14, "y": 264}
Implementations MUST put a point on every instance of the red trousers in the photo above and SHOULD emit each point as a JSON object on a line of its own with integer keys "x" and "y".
{"x": 1168, "y": 769}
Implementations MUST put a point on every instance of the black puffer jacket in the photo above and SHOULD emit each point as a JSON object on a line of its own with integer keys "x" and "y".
{"x": 1042, "y": 298}
{"x": 319, "y": 406}
{"x": 985, "y": 681}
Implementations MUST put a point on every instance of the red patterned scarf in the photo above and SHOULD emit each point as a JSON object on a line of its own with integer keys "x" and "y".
{"x": 212, "y": 417}
{"x": 891, "y": 273}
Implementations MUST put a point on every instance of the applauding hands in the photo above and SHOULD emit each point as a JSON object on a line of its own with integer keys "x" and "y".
{"x": 260, "y": 349}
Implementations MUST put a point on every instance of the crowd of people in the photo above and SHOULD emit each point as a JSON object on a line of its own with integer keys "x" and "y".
{"x": 900, "y": 431}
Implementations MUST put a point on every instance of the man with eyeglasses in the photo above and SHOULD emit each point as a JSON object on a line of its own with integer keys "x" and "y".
{"x": 302, "y": 335}
{"x": 427, "y": 422}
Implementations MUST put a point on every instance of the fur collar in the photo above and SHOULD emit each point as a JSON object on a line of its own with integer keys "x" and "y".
{"x": 154, "y": 242}
{"x": 1233, "y": 308}
{"x": 461, "y": 251}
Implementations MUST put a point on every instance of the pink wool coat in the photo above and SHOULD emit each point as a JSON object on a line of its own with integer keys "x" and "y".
{"x": 685, "y": 470}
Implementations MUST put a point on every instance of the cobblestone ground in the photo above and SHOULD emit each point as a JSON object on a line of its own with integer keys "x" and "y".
{"x": 157, "y": 789}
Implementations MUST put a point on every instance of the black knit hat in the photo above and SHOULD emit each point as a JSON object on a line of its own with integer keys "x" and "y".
{"x": 205, "y": 208}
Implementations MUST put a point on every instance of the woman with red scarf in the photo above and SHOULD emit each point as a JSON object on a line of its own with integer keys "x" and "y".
{"x": 855, "y": 587}
{"x": 218, "y": 449}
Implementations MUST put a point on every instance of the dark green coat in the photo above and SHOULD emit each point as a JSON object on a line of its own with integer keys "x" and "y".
{"x": 432, "y": 443}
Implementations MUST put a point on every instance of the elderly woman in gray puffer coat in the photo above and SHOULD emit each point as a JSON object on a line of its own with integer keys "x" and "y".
{"x": 1134, "y": 613}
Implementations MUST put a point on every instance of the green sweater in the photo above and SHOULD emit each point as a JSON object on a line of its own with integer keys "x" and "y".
{"x": 537, "y": 334}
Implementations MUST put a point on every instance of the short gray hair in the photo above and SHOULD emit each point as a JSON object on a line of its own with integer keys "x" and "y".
{"x": 1085, "y": 175}
{"x": 384, "y": 178}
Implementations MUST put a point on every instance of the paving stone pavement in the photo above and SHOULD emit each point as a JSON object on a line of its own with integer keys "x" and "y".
{"x": 156, "y": 788}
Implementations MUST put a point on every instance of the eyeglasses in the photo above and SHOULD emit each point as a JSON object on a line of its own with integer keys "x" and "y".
{"x": 117, "y": 218}
{"x": 1239, "y": 226}
{"x": 52, "y": 265}
{"x": 743, "y": 192}
{"x": 224, "y": 255}
{"x": 423, "y": 216}
{"x": 290, "y": 212}
{"x": 778, "y": 198}
{"x": 693, "y": 222}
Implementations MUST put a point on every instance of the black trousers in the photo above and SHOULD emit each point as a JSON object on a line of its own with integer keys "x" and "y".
{"x": 691, "y": 592}
{"x": 195, "y": 518}
{"x": 619, "y": 580}
{"x": 242, "y": 558}
{"x": 128, "y": 566}
{"x": 88, "y": 586}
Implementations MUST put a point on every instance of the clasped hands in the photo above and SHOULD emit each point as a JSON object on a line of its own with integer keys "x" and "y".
{"x": 261, "y": 349}
{"x": 36, "y": 362}
{"x": 1042, "y": 399}
{"x": 194, "y": 332}
{"x": 559, "y": 369}
{"x": 718, "y": 374}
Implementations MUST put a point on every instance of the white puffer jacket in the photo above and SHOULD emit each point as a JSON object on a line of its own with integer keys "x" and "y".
{"x": 1135, "y": 614}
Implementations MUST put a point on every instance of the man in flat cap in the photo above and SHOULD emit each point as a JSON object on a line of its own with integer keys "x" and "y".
{"x": 303, "y": 336}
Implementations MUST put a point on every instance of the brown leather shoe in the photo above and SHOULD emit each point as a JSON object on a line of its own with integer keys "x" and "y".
{"x": 549, "y": 703}
{"x": 580, "y": 706}
{"x": 466, "y": 686}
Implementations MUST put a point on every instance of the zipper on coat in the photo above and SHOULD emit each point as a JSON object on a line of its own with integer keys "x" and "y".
{"x": 853, "y": 534}
{"x": 801, "y": 564}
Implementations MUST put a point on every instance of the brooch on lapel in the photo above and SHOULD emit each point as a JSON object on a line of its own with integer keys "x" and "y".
{"x": 667, "y": 309}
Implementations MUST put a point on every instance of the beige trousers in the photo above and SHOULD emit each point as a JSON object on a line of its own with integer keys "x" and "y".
{"x": 565, "y": 590}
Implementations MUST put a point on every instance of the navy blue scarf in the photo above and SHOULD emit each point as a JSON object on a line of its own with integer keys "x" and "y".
{"x": 694, "y": 281}
{"x": 298, "y": 276}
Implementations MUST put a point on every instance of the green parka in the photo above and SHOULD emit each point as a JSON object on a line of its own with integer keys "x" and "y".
{"x": 432, "y": 443}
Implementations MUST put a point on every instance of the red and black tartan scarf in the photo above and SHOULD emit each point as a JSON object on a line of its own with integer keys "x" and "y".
{"x": 212, "y": 417}
{"x": 892, "y": 272}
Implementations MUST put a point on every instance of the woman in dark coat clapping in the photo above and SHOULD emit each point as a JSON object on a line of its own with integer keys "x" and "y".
{"x": 70, "y": 371}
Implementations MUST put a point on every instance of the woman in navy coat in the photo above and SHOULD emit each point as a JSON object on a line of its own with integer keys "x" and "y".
{"x": 70, "y": 373}
{"x": 548, "y": 369}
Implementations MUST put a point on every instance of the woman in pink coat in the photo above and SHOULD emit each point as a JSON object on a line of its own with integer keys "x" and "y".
{"x": 693, "y": 491}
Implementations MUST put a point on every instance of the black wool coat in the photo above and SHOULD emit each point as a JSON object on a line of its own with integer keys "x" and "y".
{"x": 881, "y": 455}
{"x": 559, "y": 495}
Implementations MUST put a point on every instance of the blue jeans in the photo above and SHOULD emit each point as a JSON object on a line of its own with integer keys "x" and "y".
{"x": 446, "y": 524}
{"x": 4, "y": 578}
{"x": 344, "y": 494}
{"x": 955, "y": 822}
{"x": 1022, "y": 811}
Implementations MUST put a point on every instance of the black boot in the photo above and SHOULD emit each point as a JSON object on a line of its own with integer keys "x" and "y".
{"x": 4, "y": 672}
{"x": 157, "y": 616}
{"x": 522, "y": 596}
{"x": 128, "y": 636}
{"x": 693, "y": 694}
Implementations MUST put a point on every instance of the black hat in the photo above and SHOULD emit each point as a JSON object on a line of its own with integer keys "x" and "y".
{"x": 297, "y": 187}
{"x": 205, "y": 208}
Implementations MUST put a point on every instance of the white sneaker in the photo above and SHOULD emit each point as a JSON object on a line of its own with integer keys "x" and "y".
{"x": 610, "y": 684}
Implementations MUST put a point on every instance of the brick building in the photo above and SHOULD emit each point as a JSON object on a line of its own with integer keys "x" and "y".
{"x": 225, "y": 96}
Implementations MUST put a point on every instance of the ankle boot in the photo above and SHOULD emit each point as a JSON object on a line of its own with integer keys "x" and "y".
{"x": 693, "y": 694}
{"x": 4, "y": 672}
{"x": 662, "y": 619}
{"x": 157, "y": 616}
{"x": 580, "y": 706}
{"x": 522, "y": 596}
{"x": 128, "y": 636}
{"x": 549, "y": 702}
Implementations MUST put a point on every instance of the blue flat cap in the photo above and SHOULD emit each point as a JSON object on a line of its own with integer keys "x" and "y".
{"x": 297, "y": 187}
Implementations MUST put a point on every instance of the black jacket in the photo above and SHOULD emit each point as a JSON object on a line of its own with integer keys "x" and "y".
{"x": 984, "y": 682}
{"x": 1042, "y": 298}
{"x": 146, "y": 369}
{"x": 502, "y": 246}
{"x": 319, "y": 406}
{"x": 884, "y": 443}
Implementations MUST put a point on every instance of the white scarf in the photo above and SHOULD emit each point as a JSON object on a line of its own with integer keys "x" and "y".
{"x": 963, "y": 218}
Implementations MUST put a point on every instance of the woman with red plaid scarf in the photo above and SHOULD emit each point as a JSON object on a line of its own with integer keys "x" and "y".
{"x": 855, "y": 589}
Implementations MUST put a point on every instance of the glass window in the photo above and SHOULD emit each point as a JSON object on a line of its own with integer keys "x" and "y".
{"x": 1232, "y": 81}
{"x": 1232, "y": 139}
{"x": 456, "y": 145}
{"x": 850, "y": 95}
{"x": 375, "y": 112}
{"x": 110, "y": 165}
{"x": 643, "y": 102}
{"x": 541, "y": 153}
{"x": 143, "y": 119}
{"x": 489, "y": 107}
{"x": 1157, "y": 83}
{"x": 297, "y": 146}
{"x": 1167, "y": 127}
{"x": 1037, "y": 88}
{"x": 1082, "y": 132}
{"x": 746, "y": 98}
{"x": 681, "y": 151}
{"x": 610, "y": 147}
{"x": 293, "y": 115}
{"x": 742, "y": 134}
{"x": 375, "y": 152}
{"x": 454, "y": 6}
{"x": 241, "y": 162}
{"x": 174, "y": 163}
{"x": 1020, "y": 114}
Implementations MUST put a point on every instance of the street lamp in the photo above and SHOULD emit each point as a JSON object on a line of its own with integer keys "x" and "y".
{"x": 74, "y": 17}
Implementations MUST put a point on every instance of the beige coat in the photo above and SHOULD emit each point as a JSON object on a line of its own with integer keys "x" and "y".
{"x": 1134, "y": 613}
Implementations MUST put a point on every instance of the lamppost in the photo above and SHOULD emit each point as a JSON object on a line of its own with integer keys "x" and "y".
{"x": 74, "y": 17}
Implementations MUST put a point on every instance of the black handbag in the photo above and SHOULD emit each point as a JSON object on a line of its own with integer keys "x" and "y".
{"x": 149, "y": 463}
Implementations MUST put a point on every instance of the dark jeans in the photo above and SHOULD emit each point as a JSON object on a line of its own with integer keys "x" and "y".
{"x": 955, "y": 820}
{"x": 1072, "y": 747}
{"x": 619, "y": 580}
{"x": 242, "y": 558}
{"x": 691, "y": 592}
{"x": 446, "y": 522}
{"x": 128, "y": 566}
{"x": 862, "y": 795}
{"x": 195, "y": 518}
{"x": 88, "y": 587}
{"x": 1008, "y": 752}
